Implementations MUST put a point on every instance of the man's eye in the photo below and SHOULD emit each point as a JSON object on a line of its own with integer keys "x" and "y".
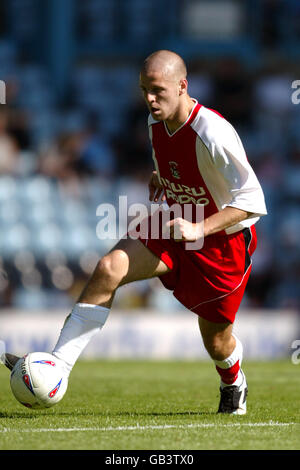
{"x": 153, "y": 90}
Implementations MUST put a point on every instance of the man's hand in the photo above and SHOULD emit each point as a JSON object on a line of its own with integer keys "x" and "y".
{"x": 156, "y": 189}
{"x": 183, "y": 230}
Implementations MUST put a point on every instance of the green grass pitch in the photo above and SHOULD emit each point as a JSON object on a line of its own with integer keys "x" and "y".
{"x": 148, "y": 405}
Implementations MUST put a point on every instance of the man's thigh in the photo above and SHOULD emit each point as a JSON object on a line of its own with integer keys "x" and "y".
{"x": 136, "y": 261}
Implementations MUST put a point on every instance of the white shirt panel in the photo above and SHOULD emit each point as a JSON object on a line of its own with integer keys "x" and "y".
{"x": 223, "y": 164}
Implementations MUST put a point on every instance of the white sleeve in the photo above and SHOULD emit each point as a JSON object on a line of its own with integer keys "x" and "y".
{"x": 230, "y": 159}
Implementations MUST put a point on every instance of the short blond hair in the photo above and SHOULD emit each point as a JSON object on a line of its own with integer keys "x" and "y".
{"x": 167, "y": 62}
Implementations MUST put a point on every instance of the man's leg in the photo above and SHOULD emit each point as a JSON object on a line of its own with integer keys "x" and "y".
{"x": 128, "y": 261}
{"x": 226, "y": 351}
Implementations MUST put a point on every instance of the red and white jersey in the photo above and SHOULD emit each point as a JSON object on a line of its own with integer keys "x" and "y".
{"x": 204, "y": 162}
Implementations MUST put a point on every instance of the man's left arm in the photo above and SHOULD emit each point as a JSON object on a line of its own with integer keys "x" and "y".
{"x": 223, "y": 219}
{"x": 229, "y": 160}
{"x": 190, "y": 232}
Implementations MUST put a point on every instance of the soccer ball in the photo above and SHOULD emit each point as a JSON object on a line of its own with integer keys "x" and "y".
{"x": 38, "y": 381}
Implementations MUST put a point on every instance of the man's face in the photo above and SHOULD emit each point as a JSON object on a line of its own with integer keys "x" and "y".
{"x": 161, "y": 95}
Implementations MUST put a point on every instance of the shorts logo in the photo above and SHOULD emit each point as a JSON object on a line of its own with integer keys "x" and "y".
{"x": 174, "y": 170}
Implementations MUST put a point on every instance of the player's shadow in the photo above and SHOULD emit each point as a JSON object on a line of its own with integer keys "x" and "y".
{"x": 38, "y": 413}
{"x": 22, "y": 415}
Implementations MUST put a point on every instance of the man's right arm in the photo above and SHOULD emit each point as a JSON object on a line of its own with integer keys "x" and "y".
{"x": 156, "y": 189}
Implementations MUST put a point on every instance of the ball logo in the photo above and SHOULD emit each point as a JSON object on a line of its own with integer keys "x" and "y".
{"x": 26, "y": 380}
{"x": 50, "y": 363}
{"x": 55, "y": 390}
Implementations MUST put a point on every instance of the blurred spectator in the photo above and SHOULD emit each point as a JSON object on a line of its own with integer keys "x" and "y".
{"x": 292, "y": 173}
{"x": 273, "y": 90}
{"x": 200, "y": 83}
{"x": 61, "y": 159}
{"x": 263, "y": 276}
{"x": 96, "y": 154}
{"x": 133, "y": 145}
{"x": 233, "y": 93}
{"x": 268, "y": 169}
{"x": 9, "y": 149}
{"x": 60, "y": 163}
{"x": 271, "y": 30}
{"x": 285, "y": 292}
{"x": 18, "y": 128}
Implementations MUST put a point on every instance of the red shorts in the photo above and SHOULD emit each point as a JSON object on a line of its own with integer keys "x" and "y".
{"x": 210, "y": 282}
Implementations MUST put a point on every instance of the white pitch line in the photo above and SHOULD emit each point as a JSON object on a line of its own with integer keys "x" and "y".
{"x": 150, "y": 427}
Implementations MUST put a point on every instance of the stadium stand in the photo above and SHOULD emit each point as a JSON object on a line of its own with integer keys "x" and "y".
{"x": 64, "y": 151}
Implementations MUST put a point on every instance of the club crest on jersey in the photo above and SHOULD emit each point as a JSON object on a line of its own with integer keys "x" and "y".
{"x": 174, "y": 170}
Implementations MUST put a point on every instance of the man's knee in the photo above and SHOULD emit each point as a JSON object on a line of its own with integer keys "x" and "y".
{"x": 215, "y": 345}
{"x": 217, "y": 338}
{"x": 111, "y": 268}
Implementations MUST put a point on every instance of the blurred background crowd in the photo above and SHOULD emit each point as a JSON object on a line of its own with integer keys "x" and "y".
{"x": 73, "y": 132}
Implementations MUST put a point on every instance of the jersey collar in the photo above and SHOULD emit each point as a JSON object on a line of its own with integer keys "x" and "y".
{"x": 189, "y": 119}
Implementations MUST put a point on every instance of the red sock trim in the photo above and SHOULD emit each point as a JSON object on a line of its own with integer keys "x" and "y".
{"x": 229, "y": 376}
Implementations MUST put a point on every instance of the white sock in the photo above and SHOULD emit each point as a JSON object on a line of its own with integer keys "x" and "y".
{"x": 84, "y": 322}
{"x": 231, "y": 362}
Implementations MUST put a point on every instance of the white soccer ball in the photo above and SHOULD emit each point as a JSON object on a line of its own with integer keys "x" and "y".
{"x": 38, "y": 381}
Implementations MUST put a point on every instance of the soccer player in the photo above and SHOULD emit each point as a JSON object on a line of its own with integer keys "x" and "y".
{"x": 199, "y": 160}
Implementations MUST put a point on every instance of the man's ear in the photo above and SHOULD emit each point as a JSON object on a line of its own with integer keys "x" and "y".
{"x": 183, "y": 86}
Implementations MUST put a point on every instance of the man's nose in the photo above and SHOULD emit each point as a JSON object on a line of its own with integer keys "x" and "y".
{"x": 150, "y": 97}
